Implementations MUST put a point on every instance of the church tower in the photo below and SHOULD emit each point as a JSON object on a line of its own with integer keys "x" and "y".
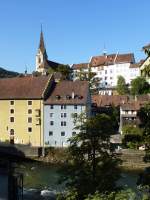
{"x": 41, "y": 57}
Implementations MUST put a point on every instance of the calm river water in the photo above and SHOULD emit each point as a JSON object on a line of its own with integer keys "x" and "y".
{"x": 42, "y": 178}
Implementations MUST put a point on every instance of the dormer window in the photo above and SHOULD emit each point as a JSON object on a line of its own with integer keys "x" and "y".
{"x": 76, "y": 96}
{"x": 68, "y": 96}
{"x": 80, "y": 97}
{"x": 57, "y": 96}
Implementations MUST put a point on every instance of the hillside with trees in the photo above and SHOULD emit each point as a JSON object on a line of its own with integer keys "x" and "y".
{"x": 7, "y": 74}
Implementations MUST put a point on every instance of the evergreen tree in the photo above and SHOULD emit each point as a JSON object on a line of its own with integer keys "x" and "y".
{"x": 92, "y": 164}
{"x": 122, "y": 88}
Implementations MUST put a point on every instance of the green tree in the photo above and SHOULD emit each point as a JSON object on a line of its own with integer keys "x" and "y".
{"x": 94, "y": 81}
{"x": 132, "y": 136}
{"x": 93, "y": 166}
{"x": 127, "y": 194}
{"x": 146, "y": 71}
{"x": 122, "y": 88}
{"x": 144, "y": 115}
{"x": 139, "y": 86}
{"x": 65, "y": 70}
{"x": 91, "y": 78}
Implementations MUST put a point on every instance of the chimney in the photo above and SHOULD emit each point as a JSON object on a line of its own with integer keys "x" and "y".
{"x": 72, "y": 95}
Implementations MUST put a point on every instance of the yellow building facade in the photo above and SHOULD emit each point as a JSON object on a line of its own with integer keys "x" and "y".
{"x": 21, "y": 109}
{"x": 22, "y": 121}
{"x": 145, "y": 69}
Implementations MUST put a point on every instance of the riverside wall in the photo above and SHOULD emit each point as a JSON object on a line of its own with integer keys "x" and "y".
{"x": 132, "y": 158}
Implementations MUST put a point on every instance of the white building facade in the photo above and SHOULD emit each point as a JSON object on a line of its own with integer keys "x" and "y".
{"x": 68, "y": 100}
{"x": 108, "y": 67}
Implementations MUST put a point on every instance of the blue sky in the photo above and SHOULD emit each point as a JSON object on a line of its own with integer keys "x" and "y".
{"x": 74, "y": 30}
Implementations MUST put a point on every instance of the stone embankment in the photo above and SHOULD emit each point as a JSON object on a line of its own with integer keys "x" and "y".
{"x": 133, "y": 158}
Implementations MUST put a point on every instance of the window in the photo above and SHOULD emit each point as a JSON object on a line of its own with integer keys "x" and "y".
{"x": 11, "y": 131}
{"x": 12, "y": 119}
{"x": 105, "y": 78}
{"x": 73, "y": 133}
{"x": 51, "y": 106}
{"x": 29, "y": 129}
{"x": 50, "y": 133}
{"x": 29, "y": 103}
{"x": 11, "y": 102}
{"x": 51, "y": 123}
{"x": 62, "y": 133}
{"x": 29, "y": 119}
{"x": 105, "y": 71}
{"x": 75, "y": 106}
{"x": 63, "y": 107}
{"x": 63, "y": 115}
{"x": 29, "y": 111}
{"x": 63, "y": 123}
{"x": 51, "y": 114}
{"x": 12, "y": 111}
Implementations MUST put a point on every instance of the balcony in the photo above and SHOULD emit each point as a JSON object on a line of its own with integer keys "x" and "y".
{"x": 38, "y": 121}
{"x": 37, "y": 113}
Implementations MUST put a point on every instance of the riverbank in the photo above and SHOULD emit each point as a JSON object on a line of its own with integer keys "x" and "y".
{"x": 131, "y": 159}
{"x": 43, "y": 178}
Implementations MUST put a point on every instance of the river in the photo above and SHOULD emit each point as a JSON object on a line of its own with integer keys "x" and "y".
{"x": 43, "y": 178}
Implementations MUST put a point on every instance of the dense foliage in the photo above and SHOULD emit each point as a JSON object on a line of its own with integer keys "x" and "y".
{"x": 139, "y": 86}
{"x": 144, "y": 115}
{"x": 132, "y": 136}
{"x": 122, "y": 88}
{"x": 92, "y": 165}
{"x": 91, "y": 77}
{"x": 65, "y": 70}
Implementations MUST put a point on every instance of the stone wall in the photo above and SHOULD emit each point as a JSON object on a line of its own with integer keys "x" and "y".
{"x": 132, "y": 158}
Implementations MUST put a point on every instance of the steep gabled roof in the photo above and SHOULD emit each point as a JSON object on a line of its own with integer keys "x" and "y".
{"x": 106, "y": 100}
{"x": 28, "y": 87}
{"x": 136, "y": 65}
{"x": 132, "y": 105}
{"x": 80, "y": 66}
{"x": 112, "y": 59}
{"x": 69, "y": 92}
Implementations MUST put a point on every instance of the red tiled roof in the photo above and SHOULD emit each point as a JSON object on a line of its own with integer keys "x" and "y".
{"x": 137, "y": 65}
{"x": 63, "y": 91}
{"x": 132, "y": 105}
{"x": 106, "y": 100}
{"x": 80, "y": 66}
{"x": 27, "y": 87}
{"x": 117, "y": 100}
{"x": 136, "y": 104}
{"x": 111, "y": 59}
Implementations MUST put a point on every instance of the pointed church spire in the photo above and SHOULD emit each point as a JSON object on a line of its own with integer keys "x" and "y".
{"x": 42, "y": 45}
